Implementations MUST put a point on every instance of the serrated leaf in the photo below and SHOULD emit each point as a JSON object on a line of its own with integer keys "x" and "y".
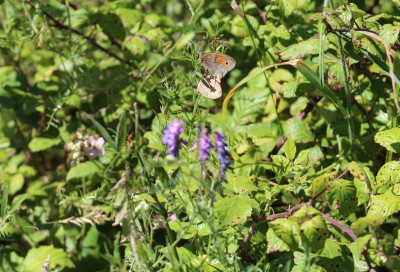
{"x": 240, "y": 184}
{"x": 234, "y": 210}
{"x": 286, "y": 230}
{"x": 83, "y": 170}
{"x": 313, "y": 233}
{"x": 298, "y": 131}
{"x": 357, "y": 171}
{"x": 287, "y": 6}
{"x": 275, "y": 243}
{"x": 36, "y": 257}
{"x": 335, "y": 76}
{"x": 280, "y": 164}
{"x": 335, "y": 258}
{"x": 389, "y": 33}
{"x": 40, "y": 144}
{"x": 290, "y": 149}
{"x": 135, "y": 45}
{"x": 302, "y": 158}
{"x": 390, "y": 139}
{"x": 357, "y": 248}
{"x": 388, "y": 175}
{"x": 362, "y": 223}
{"x": 363, "y": 192}
{"x": 154, "y": 141}
{"x": 384, "y": 205}
{"x": 319, "y": 184}
{"x": 341, "y": 197}
{"x": 190, "y": 230}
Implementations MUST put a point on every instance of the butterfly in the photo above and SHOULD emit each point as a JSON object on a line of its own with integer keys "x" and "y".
{"x": 217, "y": 65}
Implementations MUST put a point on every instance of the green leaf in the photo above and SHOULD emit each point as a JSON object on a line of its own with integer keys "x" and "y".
{"x": 37, "y": 257}
{"x": 362, "y": 223}
{"x": 342, "y": 197}
{"x": 83, "y": 170}
{"x": 357, "y": 171}
{"x": 280, "y": 164}
{"x": 298, "y": 131}
{"x": 240, "y": 184}
{"x": 302, "y": 158}
{"x": 335, "y": 76}
{"x": 135, "y": 45}
{"x": 275, "y": 243}
{"x": 112, "y": 26}
{"x": 286, "y": 230}
{"x": 390, "y": 139}
{"x": 319, "y": 184}
{"x": 384, "y": 205}
{"x": 154, "y": 141}
{"x": 16, "y": 184}
{"x": 190, "y": 230}
{"x": 357, "y": 248}
{"x": 289, "y": 89}
{"x": 313, "y": 233}
{"x": 313, "y": 229}
{"x": 290, "y": 149}
{"x": 386, "y": 177}
{"x": 301, "y": 49}
{"x": 234, "y": 210}
{"x": 40, "y": 144}
{"x": 17, "y": 201}
{"x": 389, "y": 33}
{"x": 287, "y": 6}
{"x": 363, "y": 192}
{"x": 335, "y": 258}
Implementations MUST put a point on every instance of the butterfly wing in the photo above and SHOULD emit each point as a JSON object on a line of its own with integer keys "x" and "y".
{"x": 210, "y": 87}
{"x": 217, "y": 64}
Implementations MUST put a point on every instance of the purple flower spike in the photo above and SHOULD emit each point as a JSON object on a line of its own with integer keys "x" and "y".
{"x": 204, "y": 144}
{"x": 95, "y": 147}
{"x": 222, "y": 153}
{"x": 171, "y": 137}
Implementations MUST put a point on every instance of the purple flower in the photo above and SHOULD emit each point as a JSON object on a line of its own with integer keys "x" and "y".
{"x": 95, "y": 147}
{"x": 222, "y": 153}
{"x": 203, "y": 144}
{"x": 171, "y": 137}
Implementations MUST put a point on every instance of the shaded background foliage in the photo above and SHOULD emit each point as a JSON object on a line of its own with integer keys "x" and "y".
{"x": 122, "y": 70}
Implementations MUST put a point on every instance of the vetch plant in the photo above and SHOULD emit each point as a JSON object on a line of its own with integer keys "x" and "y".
{"x": 171, "y": 137}
{"x": 204, "y": 148}
{"x": 223, "y": 153}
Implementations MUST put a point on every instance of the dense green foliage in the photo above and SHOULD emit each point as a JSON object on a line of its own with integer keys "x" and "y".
{"x": 310, "y": 121}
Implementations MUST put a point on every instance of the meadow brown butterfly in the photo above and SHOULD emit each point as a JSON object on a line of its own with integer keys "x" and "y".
{"x": 217, "y": 65}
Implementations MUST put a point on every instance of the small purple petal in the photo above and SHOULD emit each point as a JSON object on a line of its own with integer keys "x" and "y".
{"x": 222, "y": 153}
{"x": 171, "y": 137}
{"x": 204, "y": 144}
{"x": 95, "y": 147}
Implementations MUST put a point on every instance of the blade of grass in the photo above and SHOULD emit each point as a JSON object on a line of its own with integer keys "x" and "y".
{"x": 121, "y": 131}
{"x": 350, "y": 122}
